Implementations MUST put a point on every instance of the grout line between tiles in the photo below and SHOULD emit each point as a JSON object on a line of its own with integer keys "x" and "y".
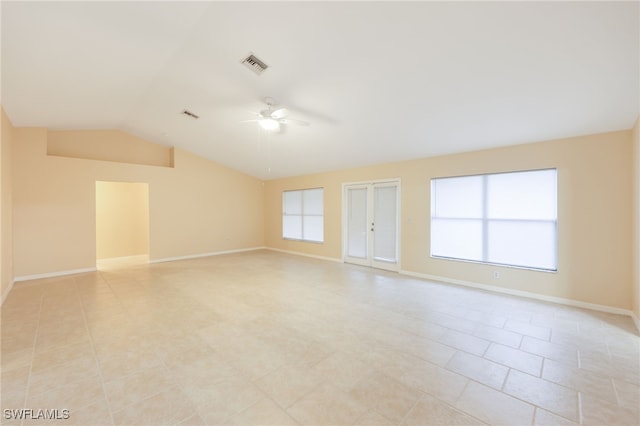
{"x": 285, "y": 409}
{"x": 504, "y": 381}
{"x": 580, "y": 416}
{"x": 33, "y": 355}
{"x": 579, "y": 356}
{"x": 413, "y": 406}
{"x": 535, "y": 412}
{"x": 95, "y": 356}
{"x": 615, "y": 391}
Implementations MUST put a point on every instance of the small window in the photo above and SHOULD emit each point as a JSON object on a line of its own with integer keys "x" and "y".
{"x": 505, "y": 218}
{"x": 303, "y": 215}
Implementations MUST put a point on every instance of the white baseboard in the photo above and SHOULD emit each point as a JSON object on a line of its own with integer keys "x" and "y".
{"x": 512, "y": 292}
{"x": 124, "y": 258}
{"x": 527, "y": 294}
{"x": 196, "y": 256}
{"x": 54, "y": 274}
{"x": 636, "y": 320}
{"x": 330, "y": 259}
{"x": 6, "y": 293}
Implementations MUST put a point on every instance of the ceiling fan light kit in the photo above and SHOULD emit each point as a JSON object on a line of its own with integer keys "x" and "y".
{"x": 269, "y": 124}
{"x": 270, "y": 119}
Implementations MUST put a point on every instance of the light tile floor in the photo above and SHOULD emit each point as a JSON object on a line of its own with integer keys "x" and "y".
{"x": 269, "y": 338}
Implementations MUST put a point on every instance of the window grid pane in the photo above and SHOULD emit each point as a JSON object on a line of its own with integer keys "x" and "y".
{"x": 525, "y": 195}
{"x": 384, "y": 247}
{"x": 312, "y": 202}
{"x": 292, "y": 202}
{"x": 357, "y": 223}
{"x": 292, "y": 227}
{"x": 457, "y": 238}
{"x": 458, "y": 197}
{"x": 312, "y": 228}
{"x": 522, "y": 243}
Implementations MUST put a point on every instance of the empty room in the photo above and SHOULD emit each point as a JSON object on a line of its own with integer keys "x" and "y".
{"x": 320, "y": 213}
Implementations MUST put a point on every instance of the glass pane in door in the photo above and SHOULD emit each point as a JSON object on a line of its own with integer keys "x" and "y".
{"x": 384, "y": 212}
{"x": 357, "y": 222}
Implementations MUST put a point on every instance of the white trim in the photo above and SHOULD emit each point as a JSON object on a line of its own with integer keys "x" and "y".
{"x": 373, "y": 181}
{"x": 527, "y": 294}
{"x": 196, "y": 256}
{"x": 6, "y": 293}
{"x": 370, "y": 261}
{"x": 124, "y": 258}
{"x": 54, "y": 274}
{"x": 330, "y": 259}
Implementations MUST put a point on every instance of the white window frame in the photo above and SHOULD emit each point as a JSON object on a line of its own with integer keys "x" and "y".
{"x": 486, "y": 220}
{"x": 302, "y": 215}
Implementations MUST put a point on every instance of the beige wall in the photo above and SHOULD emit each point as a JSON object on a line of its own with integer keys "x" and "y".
{"x": 6, "y": 246}
{"x": 201, "y": 207}
{"x": 195, "y": 207}
{"x": 122, "y": 219}
{"x": 594, "y": 215}
{"x": 107, "y": 145}
{"x": 636, "y": 219}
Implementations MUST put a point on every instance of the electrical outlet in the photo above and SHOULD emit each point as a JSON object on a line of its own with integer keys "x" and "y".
{"x": 496, "y": 274}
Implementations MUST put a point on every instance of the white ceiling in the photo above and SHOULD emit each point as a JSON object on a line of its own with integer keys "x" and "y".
{"x": 379, "y": 81}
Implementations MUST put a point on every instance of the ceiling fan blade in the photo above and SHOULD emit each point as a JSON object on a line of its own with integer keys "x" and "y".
{"x": 292, "y": 121}
{"x": 279, "y": 113}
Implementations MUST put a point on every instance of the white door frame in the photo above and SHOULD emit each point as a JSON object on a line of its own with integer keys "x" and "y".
{"x": 370, "y": 261}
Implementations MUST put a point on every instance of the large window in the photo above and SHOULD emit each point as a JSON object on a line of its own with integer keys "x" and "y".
{"x": 303, "y": 215}
{"x": 506, "y": 218}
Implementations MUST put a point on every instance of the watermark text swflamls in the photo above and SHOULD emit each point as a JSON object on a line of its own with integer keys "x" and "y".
{"x": 38, "y": 414}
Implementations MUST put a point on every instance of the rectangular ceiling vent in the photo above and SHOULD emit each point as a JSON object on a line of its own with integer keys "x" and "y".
{"x": 254, "y": 64}
{"x": 190, "y": 114}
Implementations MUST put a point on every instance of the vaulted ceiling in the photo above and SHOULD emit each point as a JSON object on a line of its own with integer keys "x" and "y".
{"x": 378, "y": 81}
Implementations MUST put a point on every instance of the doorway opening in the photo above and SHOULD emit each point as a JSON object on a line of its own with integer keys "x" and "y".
{"x": 371, "y": 224}
{"x": 122, "y": 224}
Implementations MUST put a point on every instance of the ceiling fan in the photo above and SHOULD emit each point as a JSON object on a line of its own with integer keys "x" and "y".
{"x": 272, "y": 117}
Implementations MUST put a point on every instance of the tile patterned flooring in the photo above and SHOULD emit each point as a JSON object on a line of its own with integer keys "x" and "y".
{"x": 269, "y": 338}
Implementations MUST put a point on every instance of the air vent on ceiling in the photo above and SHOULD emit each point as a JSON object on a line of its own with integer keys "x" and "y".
{"x": 254, "y": 64}
{"x": 190, "y": 114}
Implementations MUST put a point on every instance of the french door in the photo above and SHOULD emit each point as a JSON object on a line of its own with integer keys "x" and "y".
{"x": 370, "y": 228}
